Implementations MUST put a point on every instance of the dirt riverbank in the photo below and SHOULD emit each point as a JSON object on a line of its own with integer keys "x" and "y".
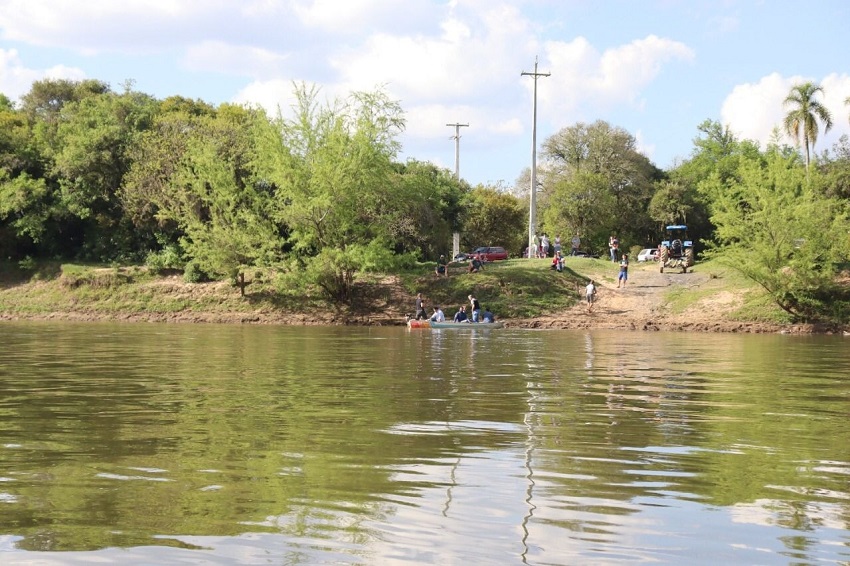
{"x": 642, "y": 305}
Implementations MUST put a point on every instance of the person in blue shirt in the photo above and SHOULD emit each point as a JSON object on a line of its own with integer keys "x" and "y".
{"x": 487, "y": 316}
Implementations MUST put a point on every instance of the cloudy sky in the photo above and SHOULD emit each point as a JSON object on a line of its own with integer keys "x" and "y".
{"x": 657, "y": 68}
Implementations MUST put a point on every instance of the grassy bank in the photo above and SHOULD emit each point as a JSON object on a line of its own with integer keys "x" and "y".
{"x": 517, "y": 289}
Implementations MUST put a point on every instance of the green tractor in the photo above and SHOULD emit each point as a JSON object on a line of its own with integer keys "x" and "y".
{"x": 677, "y": 250}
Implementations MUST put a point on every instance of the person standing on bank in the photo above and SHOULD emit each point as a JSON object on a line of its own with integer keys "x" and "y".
{"x": 613, "y": 246}
{"x": 624, "y": 271}
{"x": 476, "y": 309}
{"x": 419, "y": 308}
{"x": 575, "y": 243}
{"x": 590, "y": 295}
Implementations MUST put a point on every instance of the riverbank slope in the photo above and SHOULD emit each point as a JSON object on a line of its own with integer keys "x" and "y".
{"x": 523, "y": 293}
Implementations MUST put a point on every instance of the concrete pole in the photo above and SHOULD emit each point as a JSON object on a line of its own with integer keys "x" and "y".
{"x": 456, "y": 137}
{"x": 532, "y": 205}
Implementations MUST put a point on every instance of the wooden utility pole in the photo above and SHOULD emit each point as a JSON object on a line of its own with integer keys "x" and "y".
{"x": 532, "y": 206}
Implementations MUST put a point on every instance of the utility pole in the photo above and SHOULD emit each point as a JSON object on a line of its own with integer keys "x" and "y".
{"x": 532, "y": 207}
{"x": 456, "y": 137}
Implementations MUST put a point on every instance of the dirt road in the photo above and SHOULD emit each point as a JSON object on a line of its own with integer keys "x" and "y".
{"x": 642, "y": 305}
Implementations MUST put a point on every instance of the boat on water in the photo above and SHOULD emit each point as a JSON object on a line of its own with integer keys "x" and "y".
{"x": 447, "y": 324}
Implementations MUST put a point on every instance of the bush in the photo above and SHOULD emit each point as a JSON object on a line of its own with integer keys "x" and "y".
{"x": 194, "y": 274}
{"x": 27, "y": 264}
{"x": 170, "y": 257}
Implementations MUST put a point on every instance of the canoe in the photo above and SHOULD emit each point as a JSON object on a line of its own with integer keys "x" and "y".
{"x": 466, "y": 325}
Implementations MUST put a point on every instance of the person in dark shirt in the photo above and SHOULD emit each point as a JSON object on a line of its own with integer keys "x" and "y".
{"x": 460, "y": 315}
{"x": 442, "y": 269}
{"x": 419, "y": 308}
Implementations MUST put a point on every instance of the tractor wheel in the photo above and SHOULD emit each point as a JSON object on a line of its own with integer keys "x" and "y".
{"x": 663, "y": 256}
{"x": 689, "y": 257}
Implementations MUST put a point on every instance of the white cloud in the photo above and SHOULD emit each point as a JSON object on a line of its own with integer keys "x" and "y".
{"x": 469, "y": 54}
{"x": 584, "y": 76}
{"x": 140, "y": 26}
{"x": 245, "y": 60}
{"x": 644, "y": 147}
{"x": 350, "y": 17}
{"x": 272, "y": 95}
{"x": 16, "y": 79}
{"x": 753, "y": 110}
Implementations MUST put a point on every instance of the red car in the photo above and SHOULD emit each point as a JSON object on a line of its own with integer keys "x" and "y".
{"x": 490, "y": 253}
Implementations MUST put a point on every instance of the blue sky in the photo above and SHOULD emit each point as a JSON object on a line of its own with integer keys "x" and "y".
{"x": 657, "y": 68}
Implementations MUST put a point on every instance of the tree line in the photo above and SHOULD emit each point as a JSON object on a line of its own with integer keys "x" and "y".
{"x": 318, "y": 194}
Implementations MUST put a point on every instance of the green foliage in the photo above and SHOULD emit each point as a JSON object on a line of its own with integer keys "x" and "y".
{"x": 424, "y": 208}
{"x": 23, "y": 203}
{"x": 801, "y": 122}
{"x": 192, "y": 273}
{"x": 780, "y": 233}
{"x": 170, "y": 257}
{"x": 226, "y": 219}
{"x": 27, "y": 264}
{"x": 494, "y": 218}
{"x": 596, "y": 168}
{"x": 581, "y": 204}
{"x": 332, "y": 166}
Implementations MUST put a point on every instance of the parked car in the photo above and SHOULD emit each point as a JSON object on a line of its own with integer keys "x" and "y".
{"x": 490, "y": 253}
{"x": 648, "y": 254}
{"x": 582, "y": 253}
{"x": 462, "y": 256}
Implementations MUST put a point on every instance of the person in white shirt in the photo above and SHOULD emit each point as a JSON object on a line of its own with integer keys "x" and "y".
{"x": 590, "y": 294}
{"x": 438, "y": 315}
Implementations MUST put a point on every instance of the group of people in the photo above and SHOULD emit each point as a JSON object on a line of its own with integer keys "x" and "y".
{"x": 442, "y": 269}
{"x": 477, "y": 312}
{"x": 540, "y": 246}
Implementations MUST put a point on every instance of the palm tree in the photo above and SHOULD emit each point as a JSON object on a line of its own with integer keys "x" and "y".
{"x": 804, "y": 115}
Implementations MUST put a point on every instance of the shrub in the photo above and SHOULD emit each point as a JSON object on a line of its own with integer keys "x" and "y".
{"x": 194, "y": 274}
{"x": 170, "y": 257}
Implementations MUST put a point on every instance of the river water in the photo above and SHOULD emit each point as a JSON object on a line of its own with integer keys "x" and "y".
{"x": 215, "y": 444}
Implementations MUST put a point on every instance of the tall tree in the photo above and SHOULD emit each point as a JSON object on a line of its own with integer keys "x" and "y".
{"x": 494, "y": 218}
{"x": 333, "y": 164}
{"x": 604, "y": 153}
{"x": 782, "y": 233}
{"x": 226, "y": 213}
{"x": 801, "y": 122}
{"x": 425, "y": 206}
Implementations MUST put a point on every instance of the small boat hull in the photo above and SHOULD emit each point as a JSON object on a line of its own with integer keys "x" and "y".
{"x": 461, "y": 325}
